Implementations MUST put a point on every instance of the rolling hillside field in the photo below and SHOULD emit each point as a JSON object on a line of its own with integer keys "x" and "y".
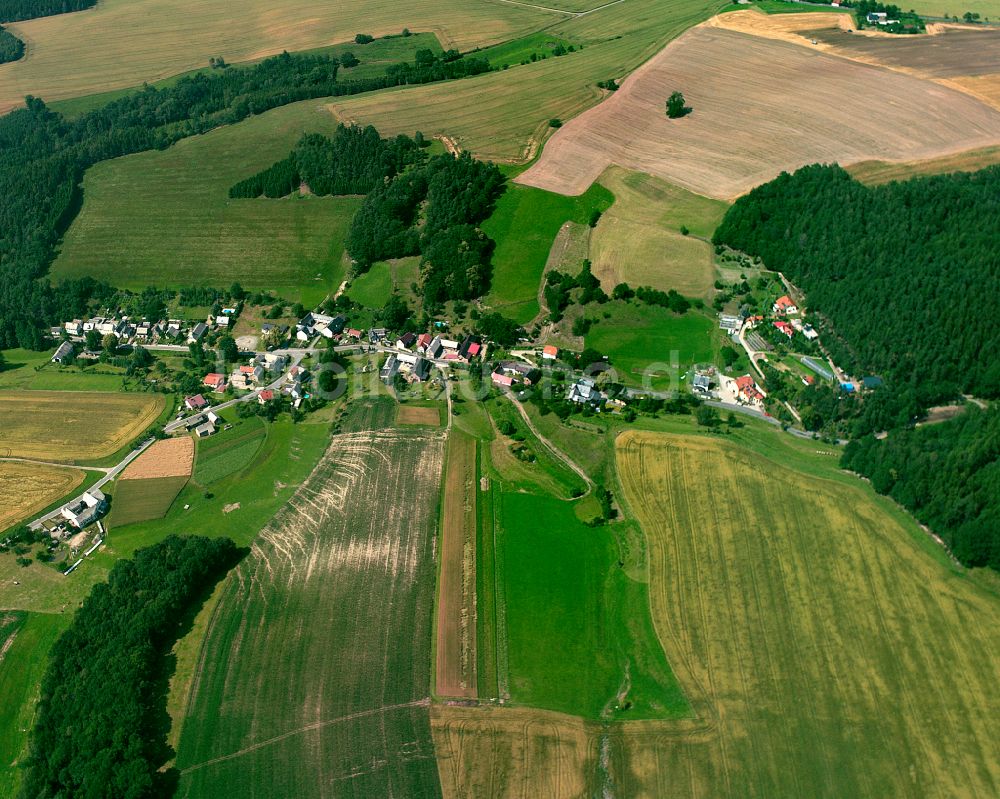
{"x": 122, "y": 43}
{"x": 314, "y": 676}
{"x": 164, "y": 218}
{"x": 827, "y": 648}
{"x": 477, "y": 113}
{"x": 746, "y": 92}
{"x": 72, "y": 426}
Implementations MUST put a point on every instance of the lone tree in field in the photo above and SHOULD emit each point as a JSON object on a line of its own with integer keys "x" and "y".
{"x": 675, "y": 106}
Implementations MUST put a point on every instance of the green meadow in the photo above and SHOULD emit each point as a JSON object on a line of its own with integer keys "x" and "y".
{"x": 524, "y": 225}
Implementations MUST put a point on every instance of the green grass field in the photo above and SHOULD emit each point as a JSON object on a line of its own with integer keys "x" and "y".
{"x": 512, "y": 53}
{"x": 579, "y": 635}
{"x": 373, "y": 288}
{"x": 524, "y": 225}
{"x": 21, "y": 666}
{"x": 825, "y": 643}
{"x": 143, "y": 500}
{"x": 229, "y": 451}
{"x": 316, "y": 667}
{"x": 164, "y": 218}
{"x": 639, "y": 336}
{"x": 639, "y": 240}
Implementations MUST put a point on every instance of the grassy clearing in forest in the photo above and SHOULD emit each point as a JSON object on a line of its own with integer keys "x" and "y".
{"x": 335, "y": 685}
{"x": 524, "y": 226}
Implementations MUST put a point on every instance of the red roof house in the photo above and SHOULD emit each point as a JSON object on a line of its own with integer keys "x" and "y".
{"x": 195, "y": 402}
{"x": 500, "y": 379}
{"x": 550, "y": 353}
{"x": 265, "y": 396}
{"x": 785, "y": 328}
{"x": 215, "y": 381}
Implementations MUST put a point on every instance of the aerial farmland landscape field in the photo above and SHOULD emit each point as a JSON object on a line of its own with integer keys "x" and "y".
{"x": 486, "y": 398}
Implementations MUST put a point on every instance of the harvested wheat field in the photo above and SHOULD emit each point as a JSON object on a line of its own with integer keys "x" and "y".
{"x": 72, "y": 426}
{"x": 171, "y": 457}
{"x": 824, "y": 641}
{"x": 513, "y": 753}
{"x": 760, "y": 106}
{"x": 314, "y": 675}
{"x": 455, "y": 672}
{"x": 121, "y": 43}
{"x": 28, "y": 488}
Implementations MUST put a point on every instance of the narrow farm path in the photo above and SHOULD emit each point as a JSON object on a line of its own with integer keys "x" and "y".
{"x": 566, "y": 459}
{"x": 316, "y": 725}
{"x": 60, "y": 465}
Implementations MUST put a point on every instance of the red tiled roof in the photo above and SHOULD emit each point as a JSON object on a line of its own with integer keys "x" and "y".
{"x": 266, "y": 395}
{"x": 550, "y": 350}
{"x": 474, "y": 349}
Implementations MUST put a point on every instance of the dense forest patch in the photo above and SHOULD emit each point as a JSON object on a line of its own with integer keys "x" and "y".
{"x": 101, "y": 719}
{"x": 948, "y": 474}
{"x": 11, "y": 48}
{"x": 353, "y": 160}
{"x": 414, "y": 205}
{"x": 17, "y": 10}
{"x": 904, "y": 278}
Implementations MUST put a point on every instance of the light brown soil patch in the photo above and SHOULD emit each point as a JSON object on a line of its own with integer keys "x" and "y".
{"x": 456, "y": 624}
{"x": 415, "y": 414}
{"x": 984, "y": 87}
{"x": 760, "y": 106}
{"x": 171, "y": 457}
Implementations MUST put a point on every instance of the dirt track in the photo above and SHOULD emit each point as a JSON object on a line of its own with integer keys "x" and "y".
{"x": 761, "y": 106}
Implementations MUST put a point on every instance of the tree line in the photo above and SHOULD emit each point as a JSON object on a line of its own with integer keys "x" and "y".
{"x": 353, "y": 160}
{"x": 101, "y": 721}
{"x": 43, "y": 157}
{"x": 947, "y": 474}
{"x": 17, "y": 10}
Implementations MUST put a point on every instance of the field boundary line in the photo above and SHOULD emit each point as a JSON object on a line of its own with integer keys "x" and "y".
{"x": 56, "y": 465}
{"x": 316, "y": 725}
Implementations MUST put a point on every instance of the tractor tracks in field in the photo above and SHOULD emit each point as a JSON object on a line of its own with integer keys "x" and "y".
{"x": 316, "y": 725}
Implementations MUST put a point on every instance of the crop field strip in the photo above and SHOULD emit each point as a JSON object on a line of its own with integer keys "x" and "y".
{"x": 801, "y": 600}
{"x": 72, "y": 426}
{"x": 142, "y": 499}
{"x": 456, "y": 655}
{"x": 29, "y": 488}
{"x": 315, "y": 671}
{"x": 638, "y": 240}
{"x": 229, "y": 452}
{"x": 475, "y": 113}
{"x": 749, "y": 89}
{"x": 120, "y": 43}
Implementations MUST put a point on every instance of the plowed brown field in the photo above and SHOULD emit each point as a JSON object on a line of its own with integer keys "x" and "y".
{"x": 760, "y": 106}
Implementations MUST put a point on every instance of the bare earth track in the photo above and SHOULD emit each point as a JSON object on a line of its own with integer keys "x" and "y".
{"x": 760, "y": 106}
